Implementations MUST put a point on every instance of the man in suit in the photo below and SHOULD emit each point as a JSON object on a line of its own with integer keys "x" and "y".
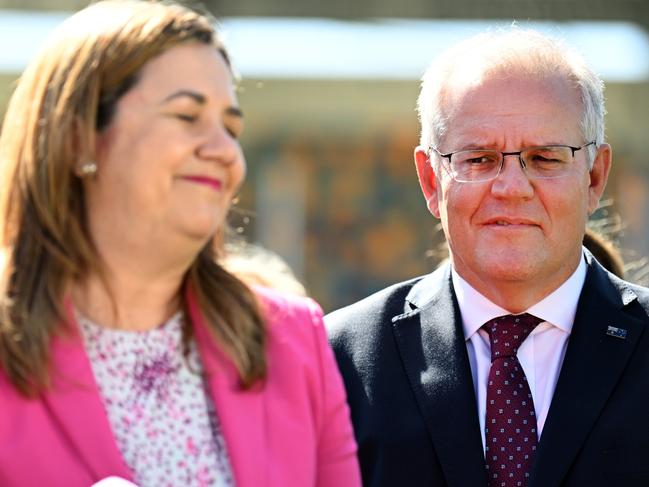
{"x": 512, "y": 160}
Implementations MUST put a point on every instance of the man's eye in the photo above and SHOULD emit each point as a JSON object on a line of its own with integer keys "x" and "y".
{"x": 479, "y": 160}
{"x": 547, "y": 158}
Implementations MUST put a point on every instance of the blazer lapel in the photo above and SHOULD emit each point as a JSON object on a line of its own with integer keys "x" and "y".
{"x": 593, "y": 364}
{"x": 241, "y": 413}
{"x": 74, "y": 404}
{"x": 433, "y": 349}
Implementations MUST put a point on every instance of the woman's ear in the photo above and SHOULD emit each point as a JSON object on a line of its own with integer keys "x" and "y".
{"x": 84, "y": 144}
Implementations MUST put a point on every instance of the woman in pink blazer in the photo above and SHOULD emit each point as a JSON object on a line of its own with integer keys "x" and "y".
{"x": 126, "y": 349}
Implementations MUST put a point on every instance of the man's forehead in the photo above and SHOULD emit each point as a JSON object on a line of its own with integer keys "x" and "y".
{"x": 539, "y": 111}
{"x": 500, "y": 93}
{"x": 464, "y": 82}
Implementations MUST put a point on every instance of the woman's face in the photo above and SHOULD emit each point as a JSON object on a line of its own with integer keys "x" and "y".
{"x": 169, "y": 162}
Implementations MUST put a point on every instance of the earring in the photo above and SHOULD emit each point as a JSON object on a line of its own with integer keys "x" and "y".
{"x": 86, "y": 169}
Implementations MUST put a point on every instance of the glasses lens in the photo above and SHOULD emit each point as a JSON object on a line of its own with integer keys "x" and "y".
{"x": 548, "y": 162}
{"x": 475, "y": 165}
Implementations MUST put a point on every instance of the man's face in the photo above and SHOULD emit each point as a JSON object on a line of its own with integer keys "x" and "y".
{"x": 512, "y": 229}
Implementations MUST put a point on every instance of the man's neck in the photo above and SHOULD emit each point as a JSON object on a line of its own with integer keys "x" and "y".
{"x": 558, "y": 308}
{"x": 516, "y": 296}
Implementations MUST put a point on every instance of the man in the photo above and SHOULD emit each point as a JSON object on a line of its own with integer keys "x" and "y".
{"x": 522, "y": 362}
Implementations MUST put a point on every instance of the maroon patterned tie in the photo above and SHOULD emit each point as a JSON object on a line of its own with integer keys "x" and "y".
{"x": 510, "y": 423}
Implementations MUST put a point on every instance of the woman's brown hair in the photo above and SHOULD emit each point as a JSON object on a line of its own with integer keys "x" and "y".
{"x": 67, "y": 94}
{"x": 604, "y": 251}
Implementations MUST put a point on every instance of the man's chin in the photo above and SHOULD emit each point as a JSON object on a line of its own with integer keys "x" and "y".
{"x": 512, "y": 268}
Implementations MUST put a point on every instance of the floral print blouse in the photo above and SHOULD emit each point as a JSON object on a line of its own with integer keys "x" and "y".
{"x": 162, "y": 416}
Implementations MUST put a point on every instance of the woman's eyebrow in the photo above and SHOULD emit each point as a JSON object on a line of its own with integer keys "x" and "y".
{"x": 197, "y": 97}
{"x": 234, "y": 111}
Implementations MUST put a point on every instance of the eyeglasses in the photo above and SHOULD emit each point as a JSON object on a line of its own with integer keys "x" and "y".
{"x": 476, "y": 165}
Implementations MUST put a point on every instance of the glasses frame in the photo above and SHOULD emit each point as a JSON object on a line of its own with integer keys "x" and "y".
{"x": 519, "y": 153}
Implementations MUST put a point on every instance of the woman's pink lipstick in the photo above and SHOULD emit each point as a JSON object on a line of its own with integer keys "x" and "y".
{"x": 207, "y": 181}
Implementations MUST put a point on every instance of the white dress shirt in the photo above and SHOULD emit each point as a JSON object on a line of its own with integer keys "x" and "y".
{"x": 540, "y": 355}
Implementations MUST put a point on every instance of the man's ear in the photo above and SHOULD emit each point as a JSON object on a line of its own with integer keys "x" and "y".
{"x": 598, "y": 176}
{"x": 427, "y": 180}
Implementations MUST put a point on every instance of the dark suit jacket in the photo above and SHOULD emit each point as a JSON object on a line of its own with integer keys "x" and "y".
{"x": 404, "y": 361}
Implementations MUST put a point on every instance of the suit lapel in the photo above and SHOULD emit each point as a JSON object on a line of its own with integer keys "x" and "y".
{"x": 593, "y": 364}
{"x": 433, "y": 350}
{"x": 74, "y": 404}
{"x": 241, "y": 413}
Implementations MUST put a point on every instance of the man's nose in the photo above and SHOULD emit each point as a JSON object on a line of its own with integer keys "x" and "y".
{"x": 512, "y": 181}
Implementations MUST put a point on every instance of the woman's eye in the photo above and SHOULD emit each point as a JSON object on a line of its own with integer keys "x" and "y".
{"x": 186, "y": 118}
{"x": 233, "y": 133}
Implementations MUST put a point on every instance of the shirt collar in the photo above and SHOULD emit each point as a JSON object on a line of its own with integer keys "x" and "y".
{"x": 558, "y": 308}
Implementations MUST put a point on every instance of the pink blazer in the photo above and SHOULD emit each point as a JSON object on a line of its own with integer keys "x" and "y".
{"x": 293, "y": 430}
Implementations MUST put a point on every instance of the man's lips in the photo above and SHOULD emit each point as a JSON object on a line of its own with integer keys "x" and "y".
{"x": 213, "y": 183}
{"x": 510, "y": 222}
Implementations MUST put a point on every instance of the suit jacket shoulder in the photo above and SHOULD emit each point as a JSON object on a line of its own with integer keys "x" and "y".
{"x": 63, "y": 438}
{"x": 369, "y": 315}
{"x": 403, "y": 357}
{"x": 298, "y": 411}
{"x": 404, "y": 362}
{"x": 597, "y": 428}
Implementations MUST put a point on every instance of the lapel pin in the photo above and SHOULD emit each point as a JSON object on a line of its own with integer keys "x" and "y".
{"x": 616, "y": 332}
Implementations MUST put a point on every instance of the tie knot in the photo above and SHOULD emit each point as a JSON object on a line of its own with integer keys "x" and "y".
{"x": 507, "y": 333}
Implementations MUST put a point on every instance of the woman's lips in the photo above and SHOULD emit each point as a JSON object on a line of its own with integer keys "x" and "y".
{"x": 207, "y": 181}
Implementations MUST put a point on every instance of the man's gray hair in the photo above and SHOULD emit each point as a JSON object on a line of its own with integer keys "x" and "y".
{"x": 513, "y": 51}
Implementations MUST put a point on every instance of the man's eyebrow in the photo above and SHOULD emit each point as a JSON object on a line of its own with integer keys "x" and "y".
{"x": 197, "y": 97}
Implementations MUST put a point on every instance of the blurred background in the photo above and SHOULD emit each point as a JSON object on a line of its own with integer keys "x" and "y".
{"x": 328, "y": 90}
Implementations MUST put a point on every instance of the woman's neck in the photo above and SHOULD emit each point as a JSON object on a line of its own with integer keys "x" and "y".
{"x": 128, "y": 301}
{"x": 143, "y": 279}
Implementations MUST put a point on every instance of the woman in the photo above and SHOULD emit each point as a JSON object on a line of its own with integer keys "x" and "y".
{"x": 604, "y": 251}
{"x": 125, "y": 349}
